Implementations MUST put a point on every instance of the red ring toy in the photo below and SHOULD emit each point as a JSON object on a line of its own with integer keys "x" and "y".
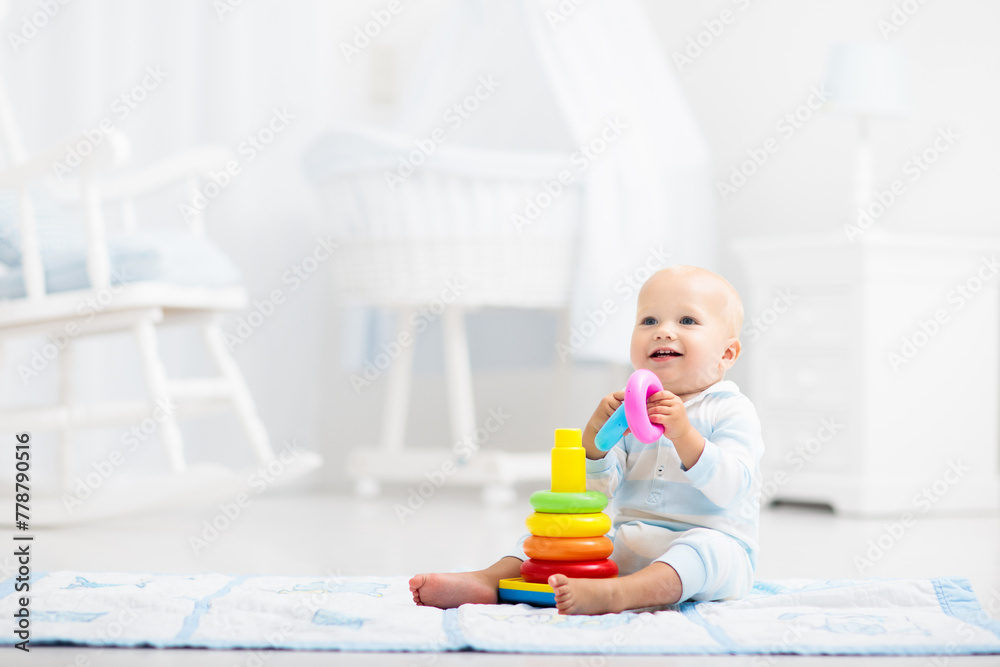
{"x": 539, "y": 571}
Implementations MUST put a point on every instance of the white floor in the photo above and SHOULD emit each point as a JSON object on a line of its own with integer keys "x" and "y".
{"x": 348, "y": 536}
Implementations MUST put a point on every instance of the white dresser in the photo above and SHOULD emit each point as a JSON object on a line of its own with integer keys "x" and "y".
{"x": 875, "y": 368}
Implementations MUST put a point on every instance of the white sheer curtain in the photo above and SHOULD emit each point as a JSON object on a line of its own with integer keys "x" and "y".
{"x": 224, "y": 74}
{"x": 223, "y": 77}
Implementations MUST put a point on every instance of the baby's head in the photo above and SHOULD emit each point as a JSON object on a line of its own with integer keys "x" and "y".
{"x": 687, "y": 328}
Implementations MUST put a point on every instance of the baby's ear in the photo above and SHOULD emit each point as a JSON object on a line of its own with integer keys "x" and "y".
{"x": 731, "y": 353}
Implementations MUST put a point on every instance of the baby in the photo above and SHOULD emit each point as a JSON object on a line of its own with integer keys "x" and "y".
{"x": 684, "y": 508}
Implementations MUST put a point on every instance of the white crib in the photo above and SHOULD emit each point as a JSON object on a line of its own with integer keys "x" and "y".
{"x": 453, "y": 219}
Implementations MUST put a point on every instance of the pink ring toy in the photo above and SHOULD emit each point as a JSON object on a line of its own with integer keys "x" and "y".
{"x": 641, "y": 385}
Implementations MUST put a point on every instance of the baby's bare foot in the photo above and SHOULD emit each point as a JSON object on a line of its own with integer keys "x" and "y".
{"x": 585, "y": 596}
{"x": 452, "y": 589}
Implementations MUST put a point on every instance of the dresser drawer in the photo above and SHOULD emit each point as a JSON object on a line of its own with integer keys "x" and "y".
{"x": 819, "y": 350}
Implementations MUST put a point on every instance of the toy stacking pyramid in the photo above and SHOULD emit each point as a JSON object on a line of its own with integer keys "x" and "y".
{"x": 567, "y": 529}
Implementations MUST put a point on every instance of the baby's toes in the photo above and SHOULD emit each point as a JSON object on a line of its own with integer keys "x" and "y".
{"x": 560, "y": 585}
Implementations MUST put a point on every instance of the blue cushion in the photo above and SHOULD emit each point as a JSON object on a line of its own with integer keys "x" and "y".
{"x": 58, "y": 230}
{"x": 167, "y": 255}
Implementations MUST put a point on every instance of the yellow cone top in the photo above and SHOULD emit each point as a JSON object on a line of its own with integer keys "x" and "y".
{"x": 569, "y": 437}
{"x": 569, "y": 468}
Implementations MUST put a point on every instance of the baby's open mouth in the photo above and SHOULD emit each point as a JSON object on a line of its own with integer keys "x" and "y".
{"x": 665, "y": 353}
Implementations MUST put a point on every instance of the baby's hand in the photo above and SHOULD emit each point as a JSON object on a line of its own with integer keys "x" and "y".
{"x": 604, "y": 410}
{"x": 667, "y": 409}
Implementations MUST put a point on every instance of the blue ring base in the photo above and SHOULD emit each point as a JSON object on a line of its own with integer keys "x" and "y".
{"x": 517, "y": 590}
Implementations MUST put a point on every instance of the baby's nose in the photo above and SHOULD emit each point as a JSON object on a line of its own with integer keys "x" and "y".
{"x": 665, "y": 331}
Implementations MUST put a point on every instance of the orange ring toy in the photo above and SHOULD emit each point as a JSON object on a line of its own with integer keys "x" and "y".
{"x": 568, "y": 548}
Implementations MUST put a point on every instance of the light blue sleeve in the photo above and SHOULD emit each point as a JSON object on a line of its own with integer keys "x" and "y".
{"x": 731, "y": 458}
{"x": 605, "y": 475}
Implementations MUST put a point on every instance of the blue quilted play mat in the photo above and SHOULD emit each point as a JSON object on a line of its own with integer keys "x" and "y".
{"x": 808, "y": 617}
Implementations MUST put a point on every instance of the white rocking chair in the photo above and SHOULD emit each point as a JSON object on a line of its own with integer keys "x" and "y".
{"x": 41, "y": 292}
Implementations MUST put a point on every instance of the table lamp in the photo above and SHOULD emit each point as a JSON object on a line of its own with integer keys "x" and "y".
{"x": 867, "y": 79}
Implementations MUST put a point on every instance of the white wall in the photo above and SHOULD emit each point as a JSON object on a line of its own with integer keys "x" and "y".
{"x": 228, "y": 72}
{"x": 762, "y": 66}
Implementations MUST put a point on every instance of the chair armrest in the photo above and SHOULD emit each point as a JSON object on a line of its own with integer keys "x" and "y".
{"x": 185, "y": 165}
{"x": 110, "y": 152}
{"x": 13, "y": 178}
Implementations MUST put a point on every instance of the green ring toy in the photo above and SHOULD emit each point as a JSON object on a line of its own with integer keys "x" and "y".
{"x": 557, "y": 502}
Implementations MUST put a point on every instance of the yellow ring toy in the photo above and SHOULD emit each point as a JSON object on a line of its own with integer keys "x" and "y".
{"x": 568, "y": 525}
{"x": 568, "y": 503}
{"x": 568, "y": 548}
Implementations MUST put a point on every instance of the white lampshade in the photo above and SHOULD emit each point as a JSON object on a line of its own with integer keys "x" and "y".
{"x": 867, "y": 78}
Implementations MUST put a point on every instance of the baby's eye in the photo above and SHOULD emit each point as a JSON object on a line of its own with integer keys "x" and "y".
{"x": 649, "y": 320}
{"x": 688, "y": 320}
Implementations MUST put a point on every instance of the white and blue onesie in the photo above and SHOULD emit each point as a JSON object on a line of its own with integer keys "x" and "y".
{"x": 701, "y": 521}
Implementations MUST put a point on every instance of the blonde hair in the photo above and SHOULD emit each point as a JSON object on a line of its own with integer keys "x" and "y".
{"x": 733, "y": 309}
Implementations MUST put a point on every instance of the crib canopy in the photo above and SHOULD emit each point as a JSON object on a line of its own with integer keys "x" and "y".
{"x": 590, "y": 81}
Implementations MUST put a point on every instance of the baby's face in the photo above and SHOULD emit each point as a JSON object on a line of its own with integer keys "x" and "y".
{"x": 682, "y": 334}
